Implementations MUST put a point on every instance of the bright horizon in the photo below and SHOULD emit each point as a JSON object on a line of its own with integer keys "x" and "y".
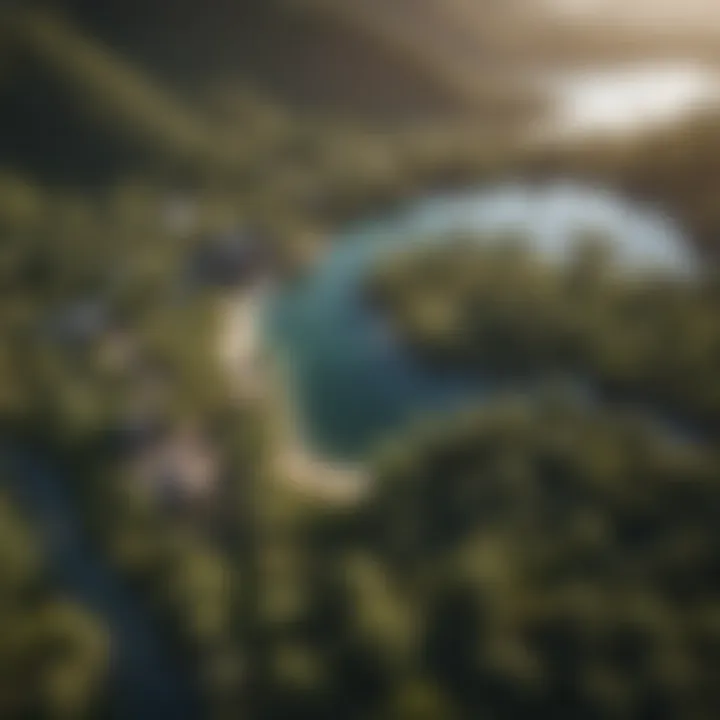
{"x": 646, "y": 12}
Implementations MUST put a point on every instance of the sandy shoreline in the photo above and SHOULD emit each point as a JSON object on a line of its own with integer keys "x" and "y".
{"x": 252, "y": 375}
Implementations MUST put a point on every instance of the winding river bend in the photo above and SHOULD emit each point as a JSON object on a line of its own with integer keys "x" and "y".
{"x": 351, "y": 383}
{"x": 148, "y": 681}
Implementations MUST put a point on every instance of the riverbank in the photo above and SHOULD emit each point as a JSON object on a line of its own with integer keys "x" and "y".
{"x": 254, "y": 376}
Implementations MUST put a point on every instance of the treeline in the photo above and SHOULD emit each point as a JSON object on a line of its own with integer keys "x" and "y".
{"x": 493, "y": 306}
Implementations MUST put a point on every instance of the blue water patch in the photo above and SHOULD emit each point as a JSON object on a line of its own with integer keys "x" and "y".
{"x": 352, "y": 383}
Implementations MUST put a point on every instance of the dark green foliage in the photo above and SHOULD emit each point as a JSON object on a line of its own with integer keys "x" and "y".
{"x": 564, "y": 561}
{"x": 497, "y": 309}
{"x": 525, "y": 559}
{"x": 53, "y": 653}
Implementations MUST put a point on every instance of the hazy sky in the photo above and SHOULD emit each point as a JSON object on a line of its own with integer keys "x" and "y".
{"x": 645, "y": 11}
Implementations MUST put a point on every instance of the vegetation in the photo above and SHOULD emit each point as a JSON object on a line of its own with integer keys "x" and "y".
{"x": 524, "y": 560}
{"x": 494, "y": 307}
{"x": 53, "y": 653}
{"x": 557, "y": 558}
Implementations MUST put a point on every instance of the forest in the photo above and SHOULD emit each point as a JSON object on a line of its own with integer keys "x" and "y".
{"x": 540, "y": 556}
{"x": 491, "y": 305}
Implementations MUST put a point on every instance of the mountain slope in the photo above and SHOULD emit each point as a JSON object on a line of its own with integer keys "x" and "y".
{"x": 320, "y": 57}
{"x": 88, "y": 90}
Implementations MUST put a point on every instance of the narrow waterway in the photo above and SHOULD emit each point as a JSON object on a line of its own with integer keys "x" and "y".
{"x": 147, "y": 678}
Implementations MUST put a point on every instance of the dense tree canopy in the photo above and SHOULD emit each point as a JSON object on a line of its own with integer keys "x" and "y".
{"x": 558, "y": 561}
{"x": 494, "y": 307}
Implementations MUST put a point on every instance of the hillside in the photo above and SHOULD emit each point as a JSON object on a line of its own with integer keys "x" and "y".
{"x": 88, "y": 91}
{"x": 300, "y": 53}
{"x": 92, "y": 90}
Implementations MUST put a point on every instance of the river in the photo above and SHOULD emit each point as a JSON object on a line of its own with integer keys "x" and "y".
{"x": 148, "y": 680}
{"x": 351, "y": 383}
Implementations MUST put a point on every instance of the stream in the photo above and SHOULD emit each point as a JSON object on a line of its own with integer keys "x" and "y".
{"x": 147, "y": 678}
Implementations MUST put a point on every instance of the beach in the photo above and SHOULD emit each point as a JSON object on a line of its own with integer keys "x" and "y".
{"x": 254, "y": 376}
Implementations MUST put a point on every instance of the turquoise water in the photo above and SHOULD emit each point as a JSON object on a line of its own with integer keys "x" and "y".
{"x": 352, "y": 384}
